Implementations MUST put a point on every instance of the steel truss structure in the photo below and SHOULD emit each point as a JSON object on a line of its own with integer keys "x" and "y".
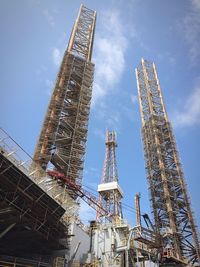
{"x": 110, "y": 193}
{"x": 64, "y": 132}
{"x": 169, "y": 197}
{"x": 24, "y": 163}
{"x": 88, "y": 197}
{"x": 35, "y": 209}
{"x": 31, "y": 205}
{"x": 9, "y": 261}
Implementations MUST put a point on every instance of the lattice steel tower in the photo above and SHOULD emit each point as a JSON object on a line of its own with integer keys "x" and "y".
{"x": 110, "y": 193}
{"x": 169, "y": 197}
{"x": 64, "y": 132}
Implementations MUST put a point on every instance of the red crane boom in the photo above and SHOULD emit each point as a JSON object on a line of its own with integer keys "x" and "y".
{"x": 88, "y": 197}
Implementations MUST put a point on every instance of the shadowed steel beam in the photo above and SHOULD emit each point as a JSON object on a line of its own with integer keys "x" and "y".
{"x": 7, "y": 230}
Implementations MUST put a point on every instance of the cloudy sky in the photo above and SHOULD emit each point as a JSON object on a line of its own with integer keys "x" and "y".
{"x": 34, "y": 35}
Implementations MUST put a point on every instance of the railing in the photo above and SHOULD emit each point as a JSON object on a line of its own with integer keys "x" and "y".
{"x": 146, "y": 236}
{"x": 121, "y": 222}
{"x": 24, "y": 162}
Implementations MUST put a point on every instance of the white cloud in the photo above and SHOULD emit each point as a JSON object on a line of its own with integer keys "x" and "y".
{"x": 191, "y": 27}
{"x": 110, "y": 48}
{"x": 49, "y": 17}
{"x": 196, "y": 4}
{"x": 56, "y": 56}
{"x": 190, "y": 115}
{"x": 134, "y": 99}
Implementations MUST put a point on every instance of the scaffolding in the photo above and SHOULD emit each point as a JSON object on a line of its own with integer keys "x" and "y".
{"x": 169, "y": 197}
{"x": 8, "y": 261}
{"x": 36, "y": 208}
{"x": 61, "y": 144}
{"x": 22, "y": 161}
{"x": 32, "y": 206}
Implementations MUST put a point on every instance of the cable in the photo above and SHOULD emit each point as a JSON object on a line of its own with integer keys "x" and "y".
{"x": 125, "y": 206}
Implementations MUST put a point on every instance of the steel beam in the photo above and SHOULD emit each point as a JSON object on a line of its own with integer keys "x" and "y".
{"x": 63, "y": 136}
{"x": 7, "y": 230}
{"x": 169, "y": 197}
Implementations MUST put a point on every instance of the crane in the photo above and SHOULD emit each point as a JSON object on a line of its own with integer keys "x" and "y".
{"x": 77, "y": 189}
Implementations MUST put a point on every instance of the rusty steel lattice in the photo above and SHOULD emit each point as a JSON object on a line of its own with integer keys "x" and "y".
{"x": 169, "y": 197}
{"x": 63, "y": 136}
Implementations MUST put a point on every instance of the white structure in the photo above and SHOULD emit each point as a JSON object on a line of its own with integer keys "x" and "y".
{"x": 80, "y": 244}
{"x": 113, "y": 186}
{"x": 109, "y": 243}
{"x": 110, "y": 193}
{"x": 110, "y": 234}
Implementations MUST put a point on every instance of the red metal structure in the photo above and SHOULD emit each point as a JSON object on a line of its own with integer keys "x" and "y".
{"x": 89, "y": 198}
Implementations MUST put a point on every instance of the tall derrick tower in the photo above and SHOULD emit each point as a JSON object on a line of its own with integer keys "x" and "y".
{"x": 111, "y": 231}
{"x": 64, "y": 132}
{"x": 110, "y": 193}
{"x": 169, "y": 197}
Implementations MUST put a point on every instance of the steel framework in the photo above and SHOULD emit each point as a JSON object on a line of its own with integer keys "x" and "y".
{"x": 24, "y": 163}
{"x": 110, "y": 193}
{"x": 88, "y": 197}
{"x": 169, "y": 197}
{"x": 64, "y": 132}
{"x": 31, "y": 205}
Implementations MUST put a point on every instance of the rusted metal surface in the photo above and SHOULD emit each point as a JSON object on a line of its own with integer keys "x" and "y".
{"x": 169, "y": 197}
{"x": 63, "y": 136}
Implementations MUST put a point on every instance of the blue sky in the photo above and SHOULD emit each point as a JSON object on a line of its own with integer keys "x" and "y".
{"x": 34, "y": 35}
